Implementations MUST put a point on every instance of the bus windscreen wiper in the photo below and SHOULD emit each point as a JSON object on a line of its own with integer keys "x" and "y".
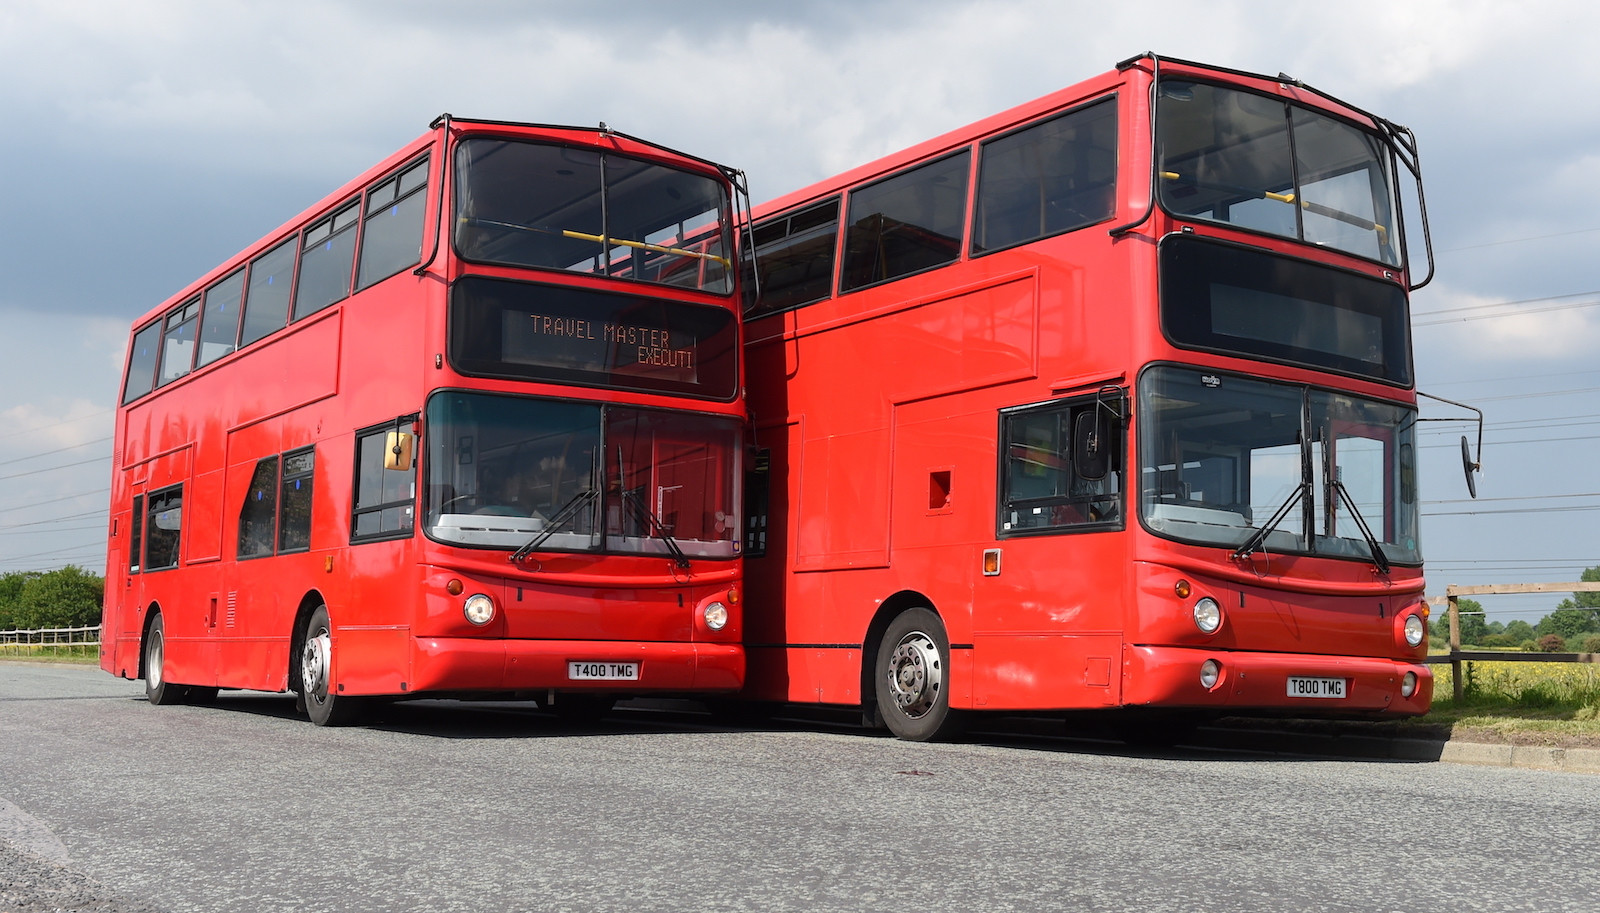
{"x": 1379, "y": 560}
{"x": 1254, "y": 542}
{"x": 567, "y": 512}
{"x": 642, "y": 512}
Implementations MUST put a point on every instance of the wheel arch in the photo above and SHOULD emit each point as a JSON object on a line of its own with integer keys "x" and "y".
{"x": 297, "y": 635}
{"x": 888, "y": 610}
{"x": 151, "y": 613}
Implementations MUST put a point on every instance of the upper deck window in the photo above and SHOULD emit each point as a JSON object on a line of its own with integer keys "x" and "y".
{"x": 906, "y": 223}
{"x": 177, "y": 346}
{"x": 142, "y": 362}
{"x": 219, "y": 324}
{"x": 266, "y": 302}
{"x": 326, "y": 256}
{"x": 392, "y": 238}
{"x": 557, "y": 207}
{"x": 794, "y": 257}
{"x": 1047, "y": 178}
{"x": 1267, "y": 165}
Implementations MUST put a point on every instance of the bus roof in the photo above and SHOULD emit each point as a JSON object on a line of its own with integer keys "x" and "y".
{"x": 1061, "y": 99}
{"x": 598, "y": 137}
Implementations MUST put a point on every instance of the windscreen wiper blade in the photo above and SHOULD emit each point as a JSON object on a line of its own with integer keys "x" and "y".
{"x": 567, "y": 512}
{"x": 657, "y": 529}
{"x": 1379, "y": 560}
{"x": 1254, "y": 542}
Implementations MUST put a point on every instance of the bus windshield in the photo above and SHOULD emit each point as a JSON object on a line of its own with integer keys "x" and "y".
{"x": 1256, "y": 465}
{"x": 1261, "y": 163}
{"x": 504, "y": 471}
{"x": 529, "y": 204}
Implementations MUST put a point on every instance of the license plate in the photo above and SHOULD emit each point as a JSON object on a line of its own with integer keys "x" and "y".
{"x": 604, "y": 672}
{"x": 1302, "y": 686}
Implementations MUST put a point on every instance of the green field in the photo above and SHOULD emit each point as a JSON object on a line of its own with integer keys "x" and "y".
{"x": 1519, "y": 702}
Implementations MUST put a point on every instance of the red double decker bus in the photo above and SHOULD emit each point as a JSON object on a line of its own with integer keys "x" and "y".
{"x": 1105, "y": 401}
{"x": 471, "y": 424}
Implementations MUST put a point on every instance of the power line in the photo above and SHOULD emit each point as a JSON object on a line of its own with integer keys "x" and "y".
{"x": 35, "y": 472}
{"x": 85, "y": 494}
{"x": 82, "y": 418}
{"x": 1559, "y": 234}
{"x": 92, "y": 513}
{"x": 57, "y": 450}
{"x": 1520, "y": 313}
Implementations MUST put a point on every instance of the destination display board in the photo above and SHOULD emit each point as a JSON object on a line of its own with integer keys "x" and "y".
{"x": 523, "y": 330}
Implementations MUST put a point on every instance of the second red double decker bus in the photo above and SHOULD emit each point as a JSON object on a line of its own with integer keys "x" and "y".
{"x": 471, "y": 424}
{"x": 1105, "y": 401}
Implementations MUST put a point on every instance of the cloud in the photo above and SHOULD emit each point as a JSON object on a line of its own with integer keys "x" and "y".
{"x": 1482, "y": 329}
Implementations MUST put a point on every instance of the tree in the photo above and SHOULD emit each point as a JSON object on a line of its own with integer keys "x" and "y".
{"x": 1519, "y": 631}
{"x": 1570, "y": 621}
{"x": 1589, "y": 600}
{"x": 10, "y": 592}
{"x": 1473, "y": 627}
{"x": 68, "y": 597}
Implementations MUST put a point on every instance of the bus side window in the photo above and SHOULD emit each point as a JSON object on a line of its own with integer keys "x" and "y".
{"x": 177, "y": 344}
{"x": 391, "y": 240}
{"x": 326, "y": 255}
{"x": 259, "y": 511}
{"x": 794, "y": 254}
{"x": 266, "y": 302}
{"x": 142, "y": 363}
{"x": 385, "y": 499}
{"x": 136, "y": 536}
{"x": 164, "y": 529}
{"x": 1043, "y": 486}
{"x": 294, "y": 504}
{"x": 219, "y": 322}
{"x": 1047, "y": 178}
{"x": 906, "y": 223}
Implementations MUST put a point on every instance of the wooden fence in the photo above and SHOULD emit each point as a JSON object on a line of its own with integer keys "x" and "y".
{"x": 72, "y": 641}
{"x": 1457, "y": 656}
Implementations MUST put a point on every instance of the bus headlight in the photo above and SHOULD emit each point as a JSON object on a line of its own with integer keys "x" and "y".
{"x": 1210, "y": 672}
{"x": 1415, "y": 630}
{"x": 1408, "y": 685}
{"x": 716, "y": 616}
{"x": 1208, "y": 615}
{"x": 479, "y": 609}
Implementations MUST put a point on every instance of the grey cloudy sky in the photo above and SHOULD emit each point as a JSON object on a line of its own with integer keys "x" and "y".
{"x": 148, "y": 141}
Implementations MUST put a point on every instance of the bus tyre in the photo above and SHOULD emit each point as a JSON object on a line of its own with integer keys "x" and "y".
{"x": 913, "y": 678}
{"x": 324, "y": 705}
{"x": 157, "y": 689}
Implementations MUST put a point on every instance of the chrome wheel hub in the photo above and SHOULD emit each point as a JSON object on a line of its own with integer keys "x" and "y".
{"x": 915, "y": 676}
{"x": 314, "y": 664}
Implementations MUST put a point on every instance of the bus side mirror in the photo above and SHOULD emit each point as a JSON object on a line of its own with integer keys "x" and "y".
{"x": 397, "y": 451}
{"x": 1091, "y": 445}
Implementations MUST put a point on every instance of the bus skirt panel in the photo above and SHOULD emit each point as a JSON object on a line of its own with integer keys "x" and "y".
{"x": 1301, "y": 683}
{"x": 468, "y": 664}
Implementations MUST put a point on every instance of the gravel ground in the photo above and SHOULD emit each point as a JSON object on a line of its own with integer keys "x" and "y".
{"x": 31, "y": 883}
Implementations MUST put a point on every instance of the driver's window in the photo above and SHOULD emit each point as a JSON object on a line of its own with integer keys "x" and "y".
{"x": 1043, "y": 488}
{"x": 385, "y": 499}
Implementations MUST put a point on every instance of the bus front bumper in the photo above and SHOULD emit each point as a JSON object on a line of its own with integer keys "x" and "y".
{"x": 470, "y": 664}
{"x": 1294, "y": 683}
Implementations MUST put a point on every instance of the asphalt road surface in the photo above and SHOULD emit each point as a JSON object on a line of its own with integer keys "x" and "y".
{"x": 109, "y": 804}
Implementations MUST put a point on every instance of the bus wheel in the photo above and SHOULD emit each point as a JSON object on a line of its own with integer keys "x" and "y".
{"x": 157, "y": 690}
{"x": 913, "y": 678}
{"x": 323, "y": 704}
